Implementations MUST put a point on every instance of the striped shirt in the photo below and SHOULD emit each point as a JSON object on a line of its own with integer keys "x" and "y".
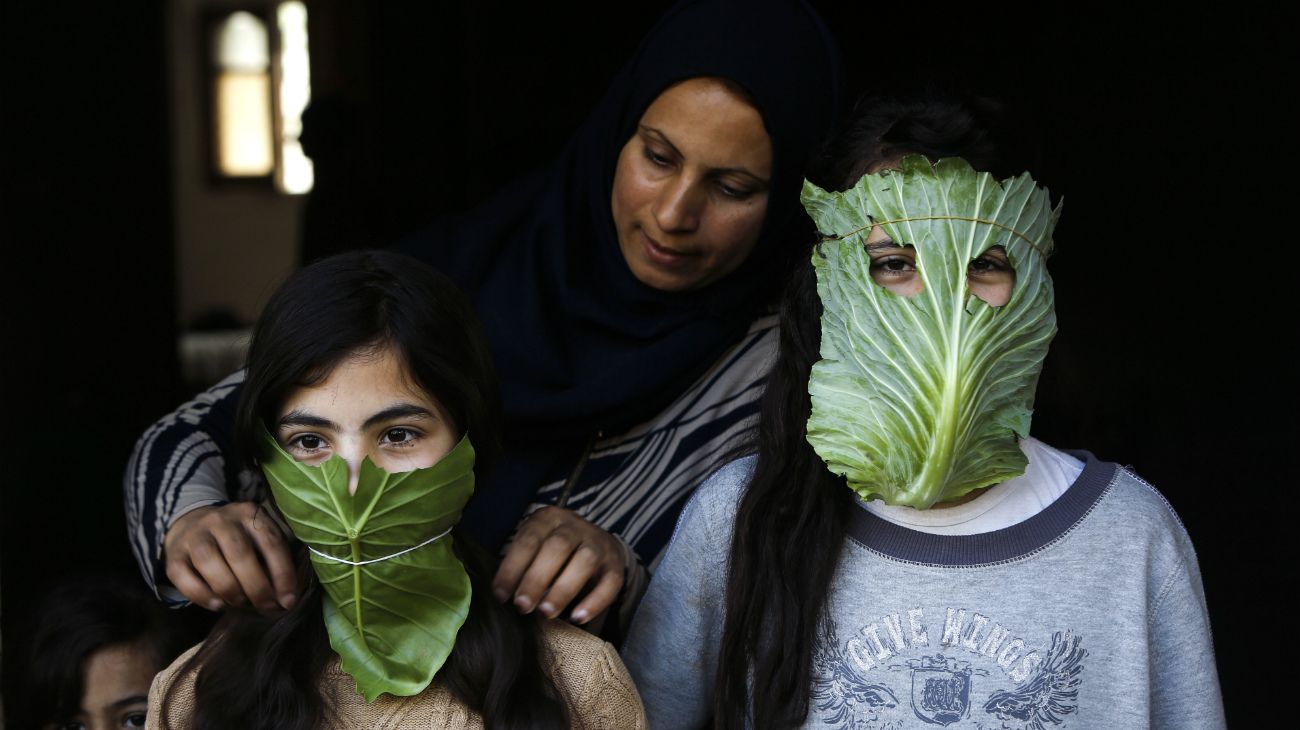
{"x": 633, "y": 485}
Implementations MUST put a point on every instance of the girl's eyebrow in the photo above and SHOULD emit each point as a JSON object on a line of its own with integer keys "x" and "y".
{"x": 887, "y": 244}
{"x": 132, "y": 700}
{"x": 400, "y": 410}
{"x": 298, "y": 417}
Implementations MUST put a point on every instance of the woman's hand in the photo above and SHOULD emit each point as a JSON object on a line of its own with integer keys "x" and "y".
{"x": 553, "y": 556}
{"x": 230, "y": 555}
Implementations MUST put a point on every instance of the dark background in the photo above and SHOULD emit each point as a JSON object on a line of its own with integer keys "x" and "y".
{"x": 1169, "y": 134}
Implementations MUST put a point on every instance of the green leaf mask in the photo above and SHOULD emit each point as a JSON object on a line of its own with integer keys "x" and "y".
{"x": 919, "y": 399}
{"x": 392, "y": 621}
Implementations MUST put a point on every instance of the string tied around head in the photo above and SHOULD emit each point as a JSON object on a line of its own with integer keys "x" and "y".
{"x": 345, "y": 561}
{"x": 969, "y": 219}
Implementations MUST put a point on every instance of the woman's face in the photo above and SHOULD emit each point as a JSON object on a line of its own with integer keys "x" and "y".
{"x": 368, "y": 406}
{"x": 691, "y": 186}
{"x": 115, "y": 690}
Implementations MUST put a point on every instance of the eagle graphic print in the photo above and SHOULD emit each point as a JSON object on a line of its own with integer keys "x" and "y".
{"x": 960, "y": 669}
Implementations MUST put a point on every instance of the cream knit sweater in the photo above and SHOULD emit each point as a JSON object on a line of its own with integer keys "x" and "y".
{"x": 586, "y": 670}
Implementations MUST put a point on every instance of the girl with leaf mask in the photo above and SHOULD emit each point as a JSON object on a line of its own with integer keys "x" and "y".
{"x": 371, "y": 409}
{"x": 969, "y": 575}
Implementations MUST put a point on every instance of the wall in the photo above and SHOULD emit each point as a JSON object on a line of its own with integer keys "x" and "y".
{"x": 233, "y": 244}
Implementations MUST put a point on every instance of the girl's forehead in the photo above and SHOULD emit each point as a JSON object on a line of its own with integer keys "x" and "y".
{"x": 366, "y": 379}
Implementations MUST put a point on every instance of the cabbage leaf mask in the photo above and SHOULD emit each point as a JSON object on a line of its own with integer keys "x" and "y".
{"x": 392, "y": 620}
{"x": 919, "y": 399}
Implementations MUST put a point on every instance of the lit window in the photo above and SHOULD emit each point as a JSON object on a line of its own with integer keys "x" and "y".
{"x": 255, "y": 130}
{"x": 243, "y": 97}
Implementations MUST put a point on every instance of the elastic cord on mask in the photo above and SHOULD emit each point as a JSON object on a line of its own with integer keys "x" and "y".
{"x": 435, "y": 538}
{"x": 1014, "y": 232}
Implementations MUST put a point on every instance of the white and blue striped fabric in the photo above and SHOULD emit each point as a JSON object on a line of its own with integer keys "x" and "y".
{"x": 633, "y": 484}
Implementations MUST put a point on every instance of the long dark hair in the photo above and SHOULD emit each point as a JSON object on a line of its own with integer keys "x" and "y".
{"x": 260, "y": 672}
{"x": 791, "y": 523}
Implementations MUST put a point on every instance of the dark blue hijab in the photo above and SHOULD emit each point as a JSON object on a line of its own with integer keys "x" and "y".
{"x": 580, "y": 344}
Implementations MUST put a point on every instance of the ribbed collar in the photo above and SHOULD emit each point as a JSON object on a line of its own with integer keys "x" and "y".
{"x": 1000, "y": 546}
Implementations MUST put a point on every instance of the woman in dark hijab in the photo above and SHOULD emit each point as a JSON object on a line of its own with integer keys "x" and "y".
{"x": 623, "y": 290}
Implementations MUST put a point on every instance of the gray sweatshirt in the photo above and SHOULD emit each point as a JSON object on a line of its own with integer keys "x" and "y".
{"x": 1089, "y": 614}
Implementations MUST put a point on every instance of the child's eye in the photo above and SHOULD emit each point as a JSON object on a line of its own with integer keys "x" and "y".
{"x": 893, "y": 265}
{"x": 991, "y": 261}
{"x": 135, "y": 719}
{"x": 400, "y": 436}
{"x": 307, "y": 442}
{"x": 987, "y": 264}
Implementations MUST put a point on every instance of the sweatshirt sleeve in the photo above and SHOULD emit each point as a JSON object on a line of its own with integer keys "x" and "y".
{"x": 178, "y": 465}
{"x": 672, "y": 646}
{"x": 1184, "y": 681}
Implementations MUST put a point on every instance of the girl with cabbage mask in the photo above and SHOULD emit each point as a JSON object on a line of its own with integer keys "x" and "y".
{"x": 370, "y": 408}
{"x": 939, "y": 587}
{"x": 930, "y": 343}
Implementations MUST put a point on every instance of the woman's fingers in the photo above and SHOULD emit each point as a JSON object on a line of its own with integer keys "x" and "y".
{"x": 210, "y": 565}
{"x": 583, "y": 569}
{"x": 600, "y": 598}
{"x": 279, "y": 563}
{"x": 519, "y": 555}
{"x": 230, "y": 554}
{"x": 194, "y": 588}
{"x": 254, "y": 585}
{"x": 535, "y": 588}
{"x": 553, "y": 557}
